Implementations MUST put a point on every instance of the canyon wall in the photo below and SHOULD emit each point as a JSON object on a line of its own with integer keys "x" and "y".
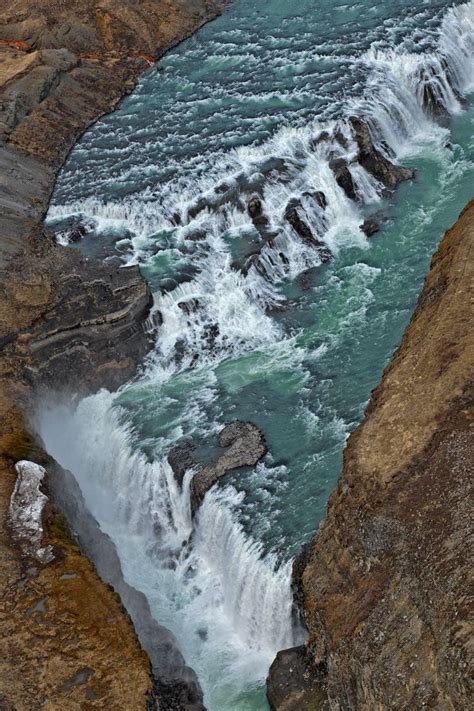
{"x": 66, "y": 322}
{"x": 384, "y": 586}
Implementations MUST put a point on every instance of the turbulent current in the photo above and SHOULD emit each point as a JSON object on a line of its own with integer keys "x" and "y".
{"x": 234, "y": 176}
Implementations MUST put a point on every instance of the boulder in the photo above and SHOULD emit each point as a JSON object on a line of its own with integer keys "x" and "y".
{"x": 259, "y": 219}
{"x": 299, "y": 225}
{"x": 295, "y": 682}
{"x": 303, "y": 230}
{"x": 244, "y": 445}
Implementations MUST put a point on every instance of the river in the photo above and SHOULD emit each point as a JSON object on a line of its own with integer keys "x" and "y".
{"x": 273, "y": 334}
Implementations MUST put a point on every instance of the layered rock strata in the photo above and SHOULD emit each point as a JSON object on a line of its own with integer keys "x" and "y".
{"x": 383, "y": 585}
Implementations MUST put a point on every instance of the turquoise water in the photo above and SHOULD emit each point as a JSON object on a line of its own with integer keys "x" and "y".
{"x": 298, "y": 356}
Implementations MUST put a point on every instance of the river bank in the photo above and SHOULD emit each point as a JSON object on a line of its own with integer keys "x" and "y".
{"x": 67, "y": 322}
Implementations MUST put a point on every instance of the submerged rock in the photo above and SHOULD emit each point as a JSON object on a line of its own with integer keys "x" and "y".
{"x": 25, "y": 514}
{"x": 299, "y": 225}
{"x": 245, "y": 446}
{"x": 373, "y": 223}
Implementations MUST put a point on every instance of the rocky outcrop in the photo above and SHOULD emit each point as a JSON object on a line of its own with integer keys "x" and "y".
{"x": 383, "y": 584}
{"x": 374, "y": 162}
{"x": 244, "y": 445}
{"x": 67, "y": 323}
{"x": 66, "y": 640}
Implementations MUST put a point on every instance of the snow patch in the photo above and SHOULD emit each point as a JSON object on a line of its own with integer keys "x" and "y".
{"x": 26, "y": 510}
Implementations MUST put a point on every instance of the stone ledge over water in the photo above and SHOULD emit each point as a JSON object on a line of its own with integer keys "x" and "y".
{"x": 244, "y": 445}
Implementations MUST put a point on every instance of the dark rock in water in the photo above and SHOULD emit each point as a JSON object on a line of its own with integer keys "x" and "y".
{"x": 341, "y": 139}
{"x": 245, "y": 445}
{"x": 196, "y": 235}
{"x": 299, "y": 225}
{"x": 374, "y": 161}
{"x": 373, "y": 223}
{"x": 339, "y": 167}
{"x": 274, "y": 166}
{"x": 319, "y": 197}
{"x": 210, "y": 333}
{"x": 296, "y": 683}
{"x": 307, "y": 278}
{"x": 302, "y": 229}
{"x": 180, "y": 349}
{"x": 255, "y": 210}
{"x": 430, "y": 99}
{"x": 73, "y": 228}
{"x": 190, "y": 306}
{"x": 181, "y": 458}
{"x": 200, "y": 205}
{"x": 315, "y": 142}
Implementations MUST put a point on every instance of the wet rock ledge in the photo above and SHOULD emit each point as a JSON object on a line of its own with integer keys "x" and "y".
{"x": 68, "y": 323}
{"x": 383, "y": 585}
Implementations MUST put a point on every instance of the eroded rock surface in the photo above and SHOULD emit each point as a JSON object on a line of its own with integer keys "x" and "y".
{"x": 383, "y": 584}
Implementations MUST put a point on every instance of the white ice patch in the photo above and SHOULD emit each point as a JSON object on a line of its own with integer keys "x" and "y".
{"x": 26, "y": 510}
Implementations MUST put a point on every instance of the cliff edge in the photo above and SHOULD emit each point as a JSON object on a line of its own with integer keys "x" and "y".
{"x": 384, "y": 583}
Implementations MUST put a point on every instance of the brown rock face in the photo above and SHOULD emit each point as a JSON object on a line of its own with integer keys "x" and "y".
{"x": 384, "y": 583}
{"x": 67, "y": 323}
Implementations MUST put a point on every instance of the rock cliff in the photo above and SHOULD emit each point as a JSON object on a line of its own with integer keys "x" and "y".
{"x": 66, "y": 322}
{"x": 383, "y": 585}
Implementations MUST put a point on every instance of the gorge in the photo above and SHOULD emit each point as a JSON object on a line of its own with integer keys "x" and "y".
{"x": 283, "y": 269}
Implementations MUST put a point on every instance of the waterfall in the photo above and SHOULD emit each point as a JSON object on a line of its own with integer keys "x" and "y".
{"x": 207, "y": 579}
